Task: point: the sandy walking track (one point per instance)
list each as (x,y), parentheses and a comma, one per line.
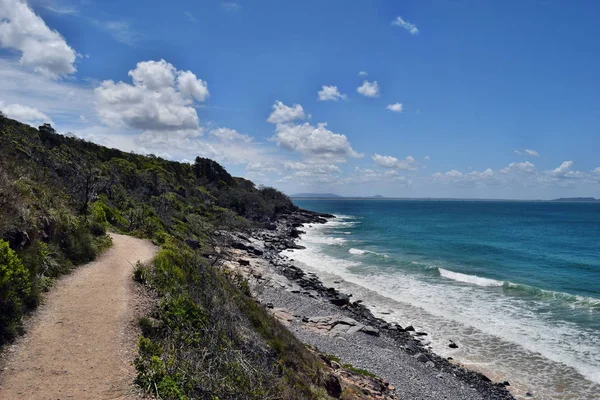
(80,344)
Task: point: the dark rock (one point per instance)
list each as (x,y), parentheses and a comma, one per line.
(239,246)
(192,244)
(409,328)
(412,345)
(269,305)
(17,238)
(420,333)
(506,383)
(340,300)
(258,252)
(271,227)
(333,386)
(369,330)
(421,357)
(453,345)
(244,262)
(528,394)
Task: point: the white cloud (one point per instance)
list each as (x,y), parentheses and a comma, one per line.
(362,73)
(62,100)
(189,16)
(596,171)
(532,153)
(408,163)
(189,84)
(427,158)
(26,114)
(161,98)
(368,175)
(282,113)
(41,48)
(231,7)
(369,89)
(412,28)
(231,135)
(564,171)
(473,178)
(121,31)
(396,107)
(330,93)
(314,142)
(523,167)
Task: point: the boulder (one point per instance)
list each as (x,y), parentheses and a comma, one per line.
(193,244)
(421,357)
(369,330)
(453,345)
(340,300)
(243,262)
(333,386)
(409,328)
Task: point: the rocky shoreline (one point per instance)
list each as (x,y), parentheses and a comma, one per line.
(330,320)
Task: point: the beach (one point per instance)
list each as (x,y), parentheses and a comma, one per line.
(334,323)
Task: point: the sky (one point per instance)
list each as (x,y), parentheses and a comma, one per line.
(465,99)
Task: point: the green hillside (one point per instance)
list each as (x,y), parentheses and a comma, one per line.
(208,338)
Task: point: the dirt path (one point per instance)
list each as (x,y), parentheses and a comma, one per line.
(81,343)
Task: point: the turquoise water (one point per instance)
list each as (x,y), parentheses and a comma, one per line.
(517,283)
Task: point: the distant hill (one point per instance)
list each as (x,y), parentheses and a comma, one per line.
(582,199)
(317,195)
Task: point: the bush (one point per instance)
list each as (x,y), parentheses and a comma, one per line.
(15,289)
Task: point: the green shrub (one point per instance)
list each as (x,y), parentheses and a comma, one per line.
(15,289)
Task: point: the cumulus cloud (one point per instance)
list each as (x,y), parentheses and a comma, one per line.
(412,28)
(427,158)
(596,171)
(330,93)
(396,107)
(565,171)
(314,142)
(282,113)
(529,152)
(408,163)
(231,135)
(26,114)
(160,98)
(362,73)
(369,89)
(523,167)
(41,48)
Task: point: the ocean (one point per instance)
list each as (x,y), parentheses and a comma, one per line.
(515,284)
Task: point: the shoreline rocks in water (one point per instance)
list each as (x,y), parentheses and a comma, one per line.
(352,317)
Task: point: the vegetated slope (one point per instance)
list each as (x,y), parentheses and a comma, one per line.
(208,338)
(80,345)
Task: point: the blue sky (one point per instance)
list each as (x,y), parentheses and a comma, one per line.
(421,98)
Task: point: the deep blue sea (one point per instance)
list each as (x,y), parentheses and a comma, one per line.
(515,284)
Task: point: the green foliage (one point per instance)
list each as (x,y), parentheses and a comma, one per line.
(15,289)
(208,339)
(359,371)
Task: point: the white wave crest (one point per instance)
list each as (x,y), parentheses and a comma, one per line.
(475,280)
(357,252)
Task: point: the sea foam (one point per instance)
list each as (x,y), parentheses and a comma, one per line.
(472,279)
